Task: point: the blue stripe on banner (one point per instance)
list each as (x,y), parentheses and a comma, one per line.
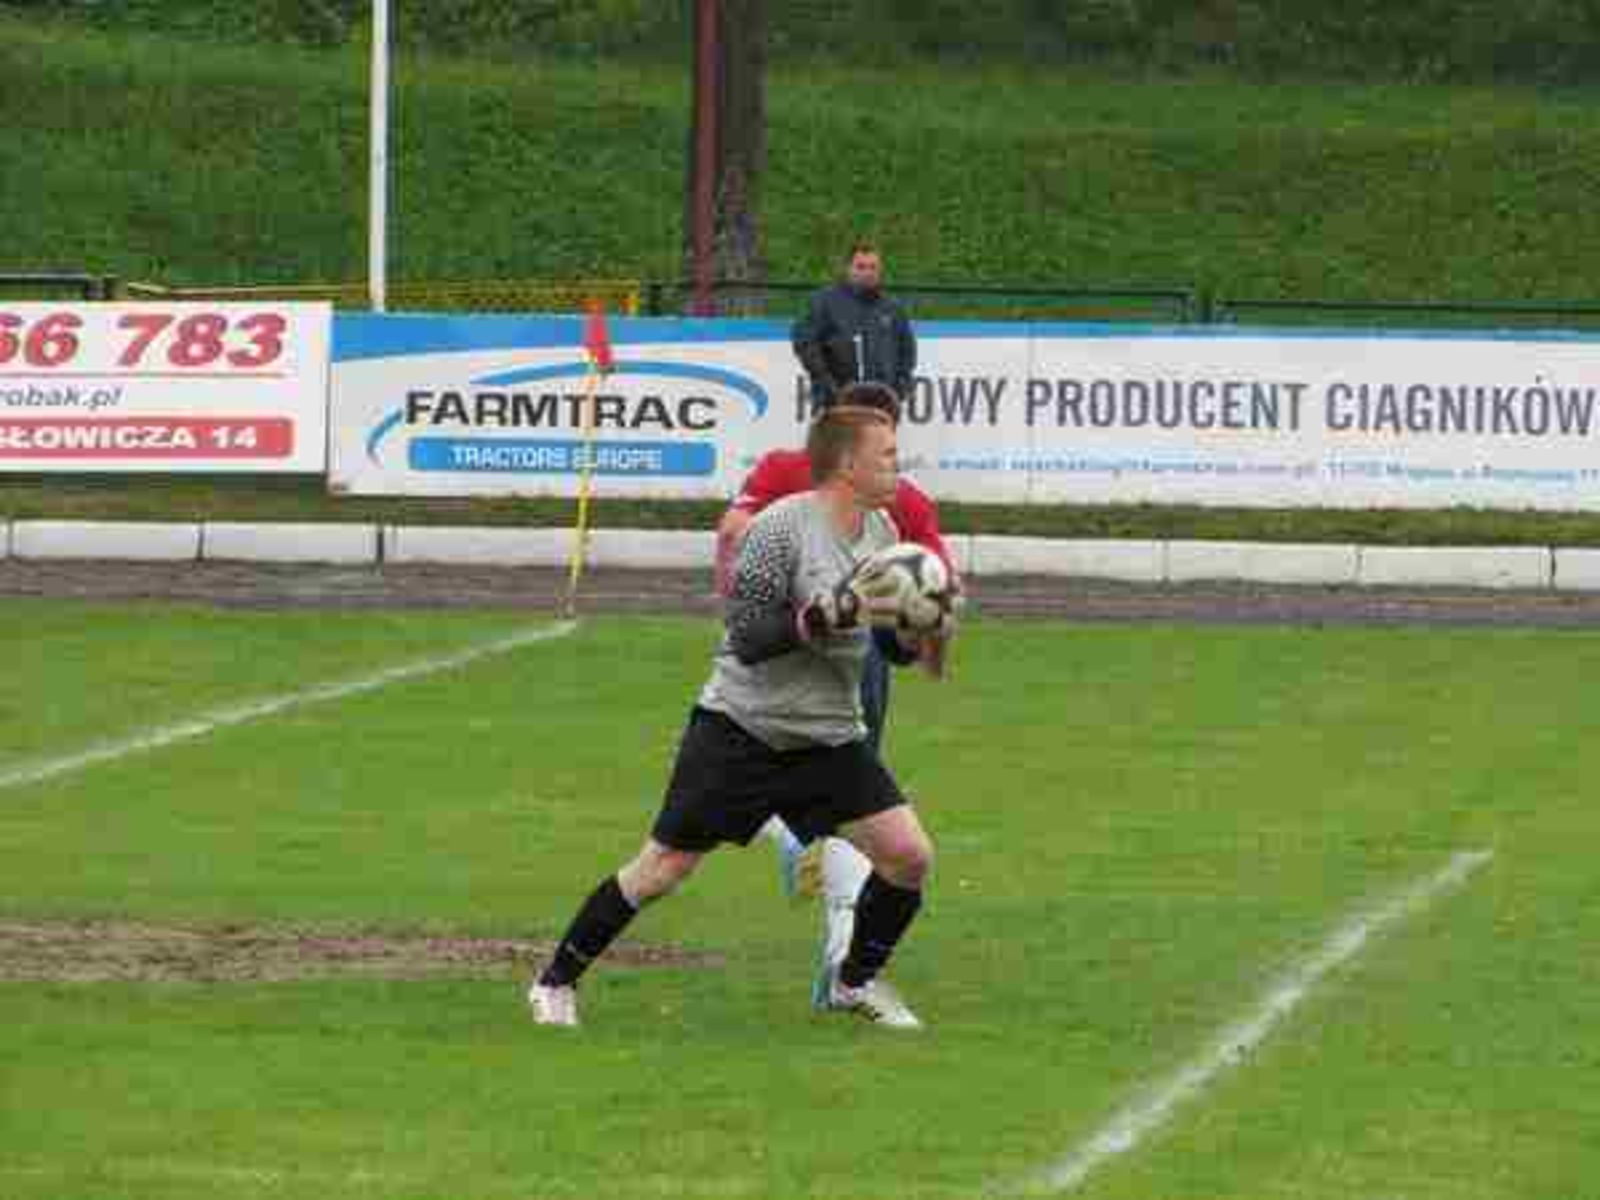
(383,335)
(1065,330)
(747,387)
(556,456)
(387,335)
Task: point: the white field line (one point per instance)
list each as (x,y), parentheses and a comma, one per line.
(1127,1128)
(239,714)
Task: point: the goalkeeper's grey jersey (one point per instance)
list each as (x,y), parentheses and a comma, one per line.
(786,692)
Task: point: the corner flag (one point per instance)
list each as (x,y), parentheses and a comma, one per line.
(597,348)
(597,340)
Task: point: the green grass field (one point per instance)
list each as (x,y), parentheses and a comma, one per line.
(1139,828)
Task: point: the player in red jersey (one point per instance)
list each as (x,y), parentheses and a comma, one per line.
(835,868)
(782,473)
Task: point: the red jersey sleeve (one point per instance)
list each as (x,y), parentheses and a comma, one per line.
(778,474)
(917,518)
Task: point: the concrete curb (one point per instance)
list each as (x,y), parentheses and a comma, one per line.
(1133,561)
(235,541)
(1261,562)
(128,540)
(1517,567)
(467,545)
(1528,568)
(1576,570)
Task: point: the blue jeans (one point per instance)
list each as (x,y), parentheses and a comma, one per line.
(875,697)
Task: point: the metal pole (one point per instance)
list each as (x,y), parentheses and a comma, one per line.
(378,183)
(705,150)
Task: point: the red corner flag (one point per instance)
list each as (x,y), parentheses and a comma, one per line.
(597,341)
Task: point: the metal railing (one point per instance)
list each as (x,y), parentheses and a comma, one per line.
(784,299)
(1406,314)
(52,285)
(935,301)
(417,295)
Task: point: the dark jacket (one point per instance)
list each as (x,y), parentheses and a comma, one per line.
(847,336)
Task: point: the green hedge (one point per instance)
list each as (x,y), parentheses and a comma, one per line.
(159,158)
(456,26)
(1533,41)
(302,498)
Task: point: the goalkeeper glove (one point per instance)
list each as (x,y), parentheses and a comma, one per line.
(828,612)
(880,593)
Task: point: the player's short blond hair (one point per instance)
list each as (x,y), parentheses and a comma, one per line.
(868,394)
(836,434)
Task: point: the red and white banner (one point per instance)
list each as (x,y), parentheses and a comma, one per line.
(164,387)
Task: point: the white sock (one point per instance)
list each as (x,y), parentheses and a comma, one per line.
(844,870)
(838,928)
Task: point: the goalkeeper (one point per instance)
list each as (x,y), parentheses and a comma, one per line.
(833,866)
(778,727)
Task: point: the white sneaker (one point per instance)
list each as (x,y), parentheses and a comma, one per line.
(876,1000)
(553,1005)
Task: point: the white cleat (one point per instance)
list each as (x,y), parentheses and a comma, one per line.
(554,1005)
(876,1000)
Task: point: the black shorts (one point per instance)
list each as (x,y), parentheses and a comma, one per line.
(726,783)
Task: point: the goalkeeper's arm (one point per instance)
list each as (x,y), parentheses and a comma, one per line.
(731,529)
(764,619)
(760,612)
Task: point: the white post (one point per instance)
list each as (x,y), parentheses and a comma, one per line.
(378,184)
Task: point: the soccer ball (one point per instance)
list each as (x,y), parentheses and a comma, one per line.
(914,579)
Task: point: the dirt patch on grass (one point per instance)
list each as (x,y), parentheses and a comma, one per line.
(93,951)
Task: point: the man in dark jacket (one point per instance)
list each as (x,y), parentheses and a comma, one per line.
(852,332)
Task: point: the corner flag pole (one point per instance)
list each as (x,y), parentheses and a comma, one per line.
(597,346)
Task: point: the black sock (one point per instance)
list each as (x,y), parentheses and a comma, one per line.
(883,914)
(604,915)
